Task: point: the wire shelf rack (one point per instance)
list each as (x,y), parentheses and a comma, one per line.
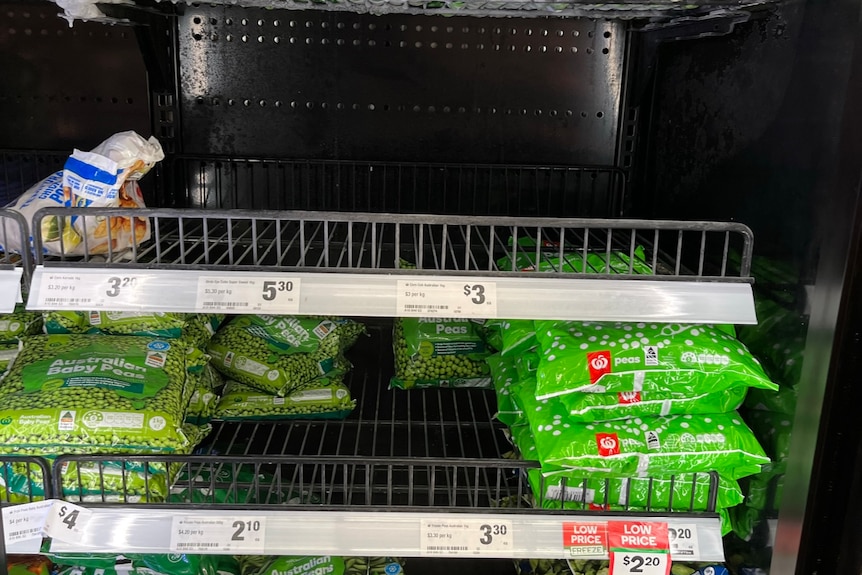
(20,169)
(387,243)
(401,187)
(14,231)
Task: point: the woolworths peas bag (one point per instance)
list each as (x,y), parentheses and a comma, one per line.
(590,407)
(97,394)
(197,329)
(518,336)
(282,354)
(554,487)
(646,357)
(652,446)
(503,375)
(329,398)
(439,352)
(8,352)
(320,565)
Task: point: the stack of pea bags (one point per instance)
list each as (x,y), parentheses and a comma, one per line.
(778,341)
(625,416)
(284,367)
(105,383)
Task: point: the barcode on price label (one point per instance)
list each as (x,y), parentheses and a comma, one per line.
(25,522)
(463,298)
(241,534)
(466,537)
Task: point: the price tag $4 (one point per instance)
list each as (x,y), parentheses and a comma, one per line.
(67,522)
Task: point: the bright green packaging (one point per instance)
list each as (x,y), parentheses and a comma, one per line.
(591,407)
(204,400)
(20,323)
(8,352)
(439,352)
(319,565)
(492,333)
(283,354)
(527,364)
(329,398)
(652,446)
(570,259)
(555,487)
(519,336)
(97,394)
(623,357)
(197,329)
(134,564)
(503,376)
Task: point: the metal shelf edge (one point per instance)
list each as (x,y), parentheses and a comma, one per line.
(377,295)
(145,530)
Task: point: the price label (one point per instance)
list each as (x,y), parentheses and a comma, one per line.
(423,298)
(25,522)
(67,521)
(273,294)
(69,290)
(638,547)
(241,535)
(585,539)
(10,289)
(467,537)
(683,541)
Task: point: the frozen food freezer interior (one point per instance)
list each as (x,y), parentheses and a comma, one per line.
(384,286)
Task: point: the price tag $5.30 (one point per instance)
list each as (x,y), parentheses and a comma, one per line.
(67,522)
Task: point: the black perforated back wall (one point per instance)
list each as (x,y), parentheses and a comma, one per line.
(269,83)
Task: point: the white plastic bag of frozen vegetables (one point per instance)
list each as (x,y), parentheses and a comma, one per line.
(105,177)
(439,352)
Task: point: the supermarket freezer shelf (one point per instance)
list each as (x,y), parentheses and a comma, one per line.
(353,533)
(390,295)
(397,265)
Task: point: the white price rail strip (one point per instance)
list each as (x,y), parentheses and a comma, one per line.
(380,295)
(137,530)
(10,288)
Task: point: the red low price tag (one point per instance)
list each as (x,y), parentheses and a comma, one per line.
(585,539)
(638,548)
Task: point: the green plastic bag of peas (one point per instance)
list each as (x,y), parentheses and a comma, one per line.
(554,487)
(329,398)
(319,565)
(97,394)
(590,407)
(653,446)
(197,329)
(134,564)
(625,357)
(20,323)
(283,354)
(204,400)
(503,376)
(546,257)
(439,352)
